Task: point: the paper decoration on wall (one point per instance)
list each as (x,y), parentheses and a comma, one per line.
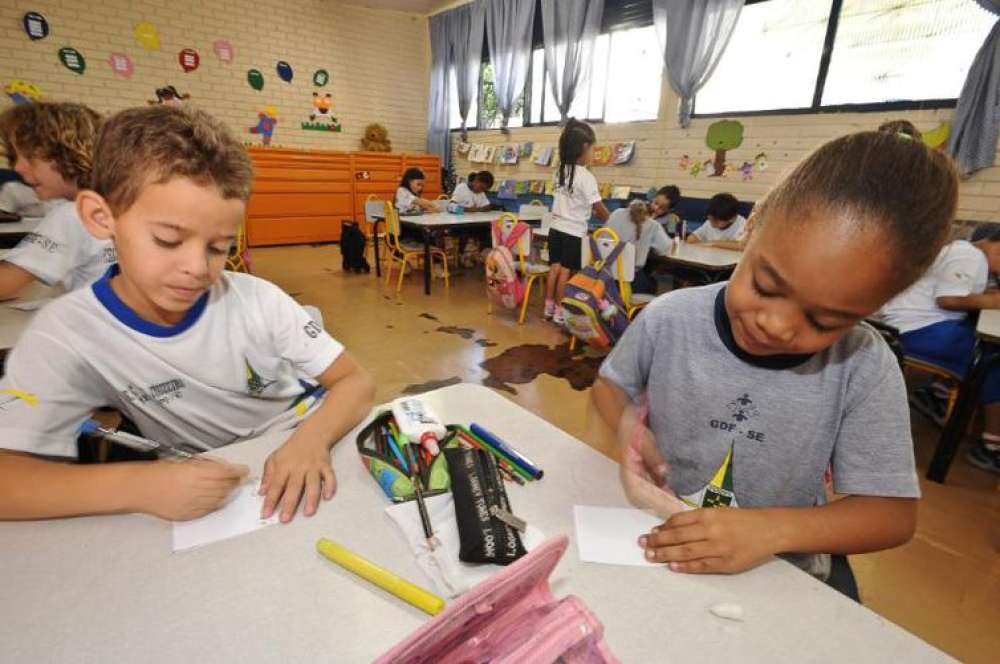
(285,72)
(525,150)
(621,153)
(490,154)
(22,92)
(695,169)
(266,120)
(72,59)
(937,137)
(544,157)
(121,64)
(550,187)
(147,36)
(601,155)
(760,161)
(747,170)
(708,167)
(621,192)
(684,163)
(509,154)
(606,188)
(168,95)
(188,59)
(224,50)
(722,136)
(320,117)
(255,79)
(521,187)
(508,190)
(321,77)
(537,187)
(463,148)
(35,26)
(363,175)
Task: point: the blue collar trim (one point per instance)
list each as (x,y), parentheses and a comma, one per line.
(107,297)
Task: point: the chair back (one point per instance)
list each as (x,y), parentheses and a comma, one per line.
(392,227)
(623,269)
(532,212)
(522,248)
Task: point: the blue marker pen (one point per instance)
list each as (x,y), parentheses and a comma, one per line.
(515,456)
(93,428)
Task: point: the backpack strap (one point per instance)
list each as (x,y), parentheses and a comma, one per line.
(595,253)
(520,228)
(497,232)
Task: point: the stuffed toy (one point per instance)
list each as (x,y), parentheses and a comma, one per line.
(376,139)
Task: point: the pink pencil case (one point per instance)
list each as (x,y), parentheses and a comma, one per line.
(510,618)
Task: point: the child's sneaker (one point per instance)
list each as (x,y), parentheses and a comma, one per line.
(550,309)
(559,317)
(984,456)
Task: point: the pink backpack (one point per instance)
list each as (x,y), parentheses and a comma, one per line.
(503,285)
(510,618)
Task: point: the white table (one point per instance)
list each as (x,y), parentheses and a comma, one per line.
(437,221)
(13,322)
(108,589)
(710,263)
(12,233)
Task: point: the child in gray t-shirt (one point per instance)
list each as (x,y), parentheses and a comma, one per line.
(756,387)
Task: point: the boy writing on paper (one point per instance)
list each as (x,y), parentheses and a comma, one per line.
(196,357)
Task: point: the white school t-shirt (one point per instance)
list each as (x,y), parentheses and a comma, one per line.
(960,269)
(572,207)
(21,199)
(239,364)
(62,251)
(464,196)
(734,232)
(652,236)
(405,199)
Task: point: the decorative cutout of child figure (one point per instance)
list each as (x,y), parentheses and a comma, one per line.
(266,120)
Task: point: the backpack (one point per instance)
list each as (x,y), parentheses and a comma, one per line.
(503,285)
(592,302)
(352,248)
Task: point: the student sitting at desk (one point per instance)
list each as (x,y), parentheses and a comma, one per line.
(472,196)
(662,208)
(633,224)
(781,378)
(50,146)
(724,227)
(408,200)
(196,357)
(932,316)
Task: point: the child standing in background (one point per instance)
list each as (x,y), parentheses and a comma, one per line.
(408,200)
(782,378)
(662,209)
(472,195)
(633,224)
(50,145)
(576,198)
(724,226)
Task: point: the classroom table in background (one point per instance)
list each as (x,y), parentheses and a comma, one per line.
(108,588)
(709,264)
(441,221)
(985,354)
(13,322)
(13,232)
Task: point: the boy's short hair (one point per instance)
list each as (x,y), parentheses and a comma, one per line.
(153,144)
(989,232)
(485,177)
(671,192)
(60,132)
(723,207)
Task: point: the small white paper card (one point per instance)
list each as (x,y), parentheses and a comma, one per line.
(239,516)
(610,535)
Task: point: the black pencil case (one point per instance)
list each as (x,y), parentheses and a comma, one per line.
(480,497)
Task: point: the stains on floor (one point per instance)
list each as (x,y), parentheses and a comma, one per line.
(464,332)
(485,343)
(429,317)
(519,365)
(418,388)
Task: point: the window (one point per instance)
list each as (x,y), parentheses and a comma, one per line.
(908,54)
(454,120)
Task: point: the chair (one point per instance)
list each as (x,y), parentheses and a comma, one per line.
(374,210)
(398,251)
(528,270)
(239,256)
(533,211)
(623,270)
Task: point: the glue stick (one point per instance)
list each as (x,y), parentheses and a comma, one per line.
(419,423)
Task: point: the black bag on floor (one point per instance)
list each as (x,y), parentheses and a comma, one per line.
(352,248)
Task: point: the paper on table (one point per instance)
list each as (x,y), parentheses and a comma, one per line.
(30,305)
(610,535)
(239,516)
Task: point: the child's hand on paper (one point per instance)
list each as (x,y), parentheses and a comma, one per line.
(184,490)
(299,467)
(716,540)
(643,470)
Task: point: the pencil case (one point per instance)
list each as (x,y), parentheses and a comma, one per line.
(482,509)
(387,469)
(510,618)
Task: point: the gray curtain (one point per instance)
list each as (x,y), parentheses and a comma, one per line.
(466,29)
(694,35)
(570,28)
(438,100)
(508,32)
(975,124)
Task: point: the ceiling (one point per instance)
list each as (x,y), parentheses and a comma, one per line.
(414,6)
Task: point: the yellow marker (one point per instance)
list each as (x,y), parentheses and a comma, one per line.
(422,599)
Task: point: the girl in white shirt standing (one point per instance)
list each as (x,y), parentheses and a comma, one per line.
(408,198)
(577,197)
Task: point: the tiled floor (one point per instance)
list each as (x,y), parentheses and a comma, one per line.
(944,585)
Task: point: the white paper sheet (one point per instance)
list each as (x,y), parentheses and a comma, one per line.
(239,516)
(610,535)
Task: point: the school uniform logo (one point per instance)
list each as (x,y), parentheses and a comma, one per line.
(9,397)
(256,384)
(44,242)
(162,393)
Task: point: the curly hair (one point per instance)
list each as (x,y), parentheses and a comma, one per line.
(60,132)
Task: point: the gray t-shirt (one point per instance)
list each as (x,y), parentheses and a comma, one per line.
(749,431)
(652,235)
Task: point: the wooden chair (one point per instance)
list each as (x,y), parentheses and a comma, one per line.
(527,269)
(239,256)
(402,253)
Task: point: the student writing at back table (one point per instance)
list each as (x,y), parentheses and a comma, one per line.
(576,197)
(724,226)
(194,356)
(472,196)
(408,200)
(51,145)
(782,377)
(633,224)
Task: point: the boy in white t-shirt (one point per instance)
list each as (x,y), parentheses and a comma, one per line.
(472,195)
(724,227)
(932,316)
(194,356)
(50,146)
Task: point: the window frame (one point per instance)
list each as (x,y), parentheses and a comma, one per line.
(817,107)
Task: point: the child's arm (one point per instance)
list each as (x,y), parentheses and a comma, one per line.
(974,302)
(13,279)
(36,488)
(725,540)
(302,464)
(426,205)
(600,211)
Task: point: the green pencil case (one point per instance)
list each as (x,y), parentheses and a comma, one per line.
(387,469)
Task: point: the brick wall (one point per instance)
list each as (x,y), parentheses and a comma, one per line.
(377,60)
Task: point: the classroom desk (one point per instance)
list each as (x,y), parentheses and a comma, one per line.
(438,221)
(12,233)
(711,264)
(13,322)
(108,588)
(985,354)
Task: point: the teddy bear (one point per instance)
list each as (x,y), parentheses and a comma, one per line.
(376,139)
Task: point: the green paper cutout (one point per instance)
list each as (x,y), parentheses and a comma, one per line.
(321,78)
(322,126)
(72,59)
(255,79)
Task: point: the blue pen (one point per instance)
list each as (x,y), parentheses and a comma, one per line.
(93,428)
(395,450)
(515,456)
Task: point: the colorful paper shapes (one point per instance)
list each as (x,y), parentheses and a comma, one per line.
(35,26)
(266,120)
(255,79)
(188,59)
(285,72)
(22,92)
(72,59)
(321,78)
(224,50)
(147,36)
(121,64)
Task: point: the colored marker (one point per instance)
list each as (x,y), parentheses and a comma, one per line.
(502,460)
(515,456)
(94,428)
(411,593)
(397,453)
(425,519)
